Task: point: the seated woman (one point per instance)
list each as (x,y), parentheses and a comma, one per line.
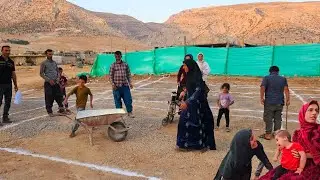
(236,165)
(195,128)
(309,137)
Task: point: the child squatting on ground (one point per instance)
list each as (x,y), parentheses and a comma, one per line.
(288,161)
(81,92)
(225,100)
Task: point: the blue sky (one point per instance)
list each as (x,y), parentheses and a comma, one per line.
(155,11)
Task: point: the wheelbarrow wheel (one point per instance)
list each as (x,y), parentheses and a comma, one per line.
(117,136)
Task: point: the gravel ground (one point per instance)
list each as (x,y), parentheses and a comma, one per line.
(149,147)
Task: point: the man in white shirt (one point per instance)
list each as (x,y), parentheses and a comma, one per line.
(204,67)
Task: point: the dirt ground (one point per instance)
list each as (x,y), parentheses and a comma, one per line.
(149,148)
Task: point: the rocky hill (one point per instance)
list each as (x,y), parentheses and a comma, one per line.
(58,22)
(34,16)
(151,34)
(258,23)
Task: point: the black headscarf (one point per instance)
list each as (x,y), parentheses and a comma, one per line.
(238,159)
(194,76)
(241,148)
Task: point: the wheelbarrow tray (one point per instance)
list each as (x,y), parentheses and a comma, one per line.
(104,117)
(100,117)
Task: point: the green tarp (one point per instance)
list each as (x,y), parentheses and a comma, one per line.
(299,60)
(168,60)
(140,62)
(249,61)
(294,60)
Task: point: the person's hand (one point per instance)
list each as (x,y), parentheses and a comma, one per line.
(262,101)
(131,86)
(288,102)
(114,87)
(91,105)
(299,171)
(65,102)
(295,154)
(16,88)
(183,106)
(52,82)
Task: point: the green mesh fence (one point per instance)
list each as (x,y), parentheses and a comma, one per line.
(295,60)
(299,60)
(102,65)
(141,62)
(249,61)
(216,57)
(168,60)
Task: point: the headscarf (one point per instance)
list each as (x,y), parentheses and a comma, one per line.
(310,133)
(240,149)
(194,76)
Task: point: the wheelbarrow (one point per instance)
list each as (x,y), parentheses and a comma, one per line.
(112,118)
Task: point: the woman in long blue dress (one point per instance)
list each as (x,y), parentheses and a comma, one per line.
(195,129)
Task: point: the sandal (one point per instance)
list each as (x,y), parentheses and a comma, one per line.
(266,136)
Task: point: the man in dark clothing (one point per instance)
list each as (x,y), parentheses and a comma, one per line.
(7,74)
(271,94)
(50,73)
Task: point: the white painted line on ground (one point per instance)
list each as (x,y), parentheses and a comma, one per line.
(250,97)
(302,88)
(237,86)
(249,110)
(143,80)
(19,112)
(21,122)
(140,101)
(35,118)
(255,117)
(160,109)
(219,85)
(145,88)
(95,167)
(214,93)
(215,108)
(153,82)
(42,100)
(298,96)
(32,119)
(231,115)
(308,94)
(306,89)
